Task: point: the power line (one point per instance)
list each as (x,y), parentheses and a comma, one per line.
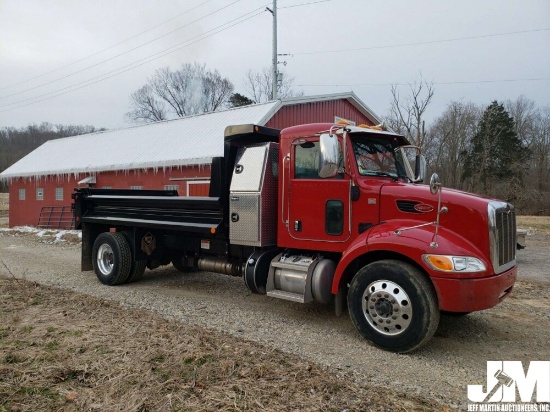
(417,43)
(108,48)
(436,83)
(118,55)
(303,4)
(141,62)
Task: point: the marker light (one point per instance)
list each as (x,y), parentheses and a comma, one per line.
(445,263)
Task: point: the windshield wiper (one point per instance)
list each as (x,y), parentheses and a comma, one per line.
(380,173)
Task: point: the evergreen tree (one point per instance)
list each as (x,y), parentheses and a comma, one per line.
(238,100)
(496,153)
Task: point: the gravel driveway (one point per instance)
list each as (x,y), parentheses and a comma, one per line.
(455,357)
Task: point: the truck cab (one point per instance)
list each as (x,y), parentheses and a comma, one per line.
(330,213)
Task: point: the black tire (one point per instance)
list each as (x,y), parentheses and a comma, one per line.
(111,258)
(137,270)
(178,264)
(397,298)
(138,266)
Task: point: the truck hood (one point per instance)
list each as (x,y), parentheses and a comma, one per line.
(467,213)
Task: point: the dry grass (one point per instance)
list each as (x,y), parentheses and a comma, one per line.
(539,225)
(61,350)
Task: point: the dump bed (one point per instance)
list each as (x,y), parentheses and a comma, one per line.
(153,209)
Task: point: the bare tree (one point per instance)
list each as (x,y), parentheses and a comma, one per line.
(448,138)
(146,107)
(524,112)
(406,114)
(190,90)
(540,147)
(259,85)
(216,91)
(533,128)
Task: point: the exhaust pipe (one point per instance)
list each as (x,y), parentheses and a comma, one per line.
(219,265)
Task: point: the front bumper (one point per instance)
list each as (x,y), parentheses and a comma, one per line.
(469,295)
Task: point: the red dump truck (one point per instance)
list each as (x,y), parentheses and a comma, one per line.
(328,213)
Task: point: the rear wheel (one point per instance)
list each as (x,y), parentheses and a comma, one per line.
(393,305)
(138,266)
(112,258)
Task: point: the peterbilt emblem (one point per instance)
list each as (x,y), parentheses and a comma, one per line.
(423,208)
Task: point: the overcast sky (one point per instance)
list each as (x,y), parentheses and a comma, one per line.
(472,50)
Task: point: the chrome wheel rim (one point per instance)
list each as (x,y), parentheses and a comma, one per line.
(105,259)
(387,307)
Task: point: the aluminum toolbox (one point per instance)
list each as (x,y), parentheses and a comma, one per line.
(253,196)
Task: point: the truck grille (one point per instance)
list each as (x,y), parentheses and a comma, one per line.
(502,234)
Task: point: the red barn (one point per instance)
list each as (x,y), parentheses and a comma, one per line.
(174,154)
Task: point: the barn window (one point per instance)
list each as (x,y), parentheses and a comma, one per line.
(58,193)
(136,187)
(21,194)
(39,193)
(171,187)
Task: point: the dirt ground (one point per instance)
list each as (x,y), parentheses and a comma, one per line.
(78,345)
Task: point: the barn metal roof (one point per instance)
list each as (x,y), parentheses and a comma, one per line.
(191,140)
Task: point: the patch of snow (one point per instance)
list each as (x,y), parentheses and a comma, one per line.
(56,234)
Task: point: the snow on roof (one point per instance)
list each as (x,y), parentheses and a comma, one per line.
(186,141)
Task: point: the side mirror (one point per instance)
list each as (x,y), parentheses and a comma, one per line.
(435,184)
(328,155)
(420,168)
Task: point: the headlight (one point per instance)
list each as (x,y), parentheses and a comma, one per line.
(445,263)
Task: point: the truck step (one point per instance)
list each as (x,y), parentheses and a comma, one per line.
(284,265)
(281,294)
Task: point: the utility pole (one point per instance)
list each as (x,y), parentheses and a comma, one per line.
(275,73)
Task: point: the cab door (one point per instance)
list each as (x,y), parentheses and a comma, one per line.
(318,209)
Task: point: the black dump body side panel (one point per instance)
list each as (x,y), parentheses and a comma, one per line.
(154,209)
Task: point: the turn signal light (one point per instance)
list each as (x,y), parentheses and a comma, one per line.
(440,262)
(446,263)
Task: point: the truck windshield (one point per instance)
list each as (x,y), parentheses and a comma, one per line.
(376,157)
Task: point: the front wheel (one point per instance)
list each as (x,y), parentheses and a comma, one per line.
(393,305)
